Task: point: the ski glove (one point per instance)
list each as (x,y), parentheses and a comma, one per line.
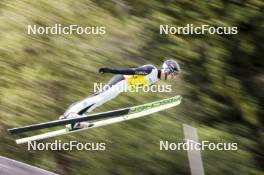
(104,70)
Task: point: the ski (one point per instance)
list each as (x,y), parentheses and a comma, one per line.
(91,117)
(55,123)
(134,112)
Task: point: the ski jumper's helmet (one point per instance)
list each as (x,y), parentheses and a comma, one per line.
(171,66)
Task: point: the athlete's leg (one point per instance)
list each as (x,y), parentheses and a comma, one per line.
(91,103)
(88,104)
(114,87)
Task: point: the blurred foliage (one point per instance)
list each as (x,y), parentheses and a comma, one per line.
(222,81)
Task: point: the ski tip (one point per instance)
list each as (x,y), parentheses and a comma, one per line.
(10,131)
(180,97)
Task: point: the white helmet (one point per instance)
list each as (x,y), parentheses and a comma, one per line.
(171,66)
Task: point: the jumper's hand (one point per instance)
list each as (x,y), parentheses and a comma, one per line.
(104,70)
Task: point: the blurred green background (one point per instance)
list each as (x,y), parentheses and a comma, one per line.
(222,82)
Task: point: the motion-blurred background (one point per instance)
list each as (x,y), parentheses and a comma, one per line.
(221,83)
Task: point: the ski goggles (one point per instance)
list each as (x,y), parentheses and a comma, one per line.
(168,71)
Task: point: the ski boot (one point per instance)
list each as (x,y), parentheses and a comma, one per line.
(76,125)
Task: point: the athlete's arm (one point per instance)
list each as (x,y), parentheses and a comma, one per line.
(144,70)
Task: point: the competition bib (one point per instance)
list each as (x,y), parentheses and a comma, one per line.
(136,80)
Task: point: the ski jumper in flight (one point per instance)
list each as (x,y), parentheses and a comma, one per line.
(142,76)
